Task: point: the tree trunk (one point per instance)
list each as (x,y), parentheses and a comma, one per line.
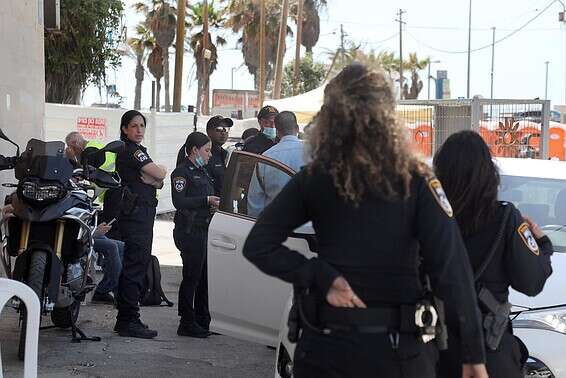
(139,80)
(166,78)
(198,110)
(158,95)
(62,90)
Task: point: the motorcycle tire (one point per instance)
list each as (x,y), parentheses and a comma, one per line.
(35,278)
(65,317)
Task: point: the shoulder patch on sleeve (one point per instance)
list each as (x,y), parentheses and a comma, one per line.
(528,238)
(140,156)
(179,183)
(440,197)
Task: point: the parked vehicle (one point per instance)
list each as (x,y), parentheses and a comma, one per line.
(250,305)
(48,242)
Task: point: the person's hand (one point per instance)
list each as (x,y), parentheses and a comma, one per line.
(534,227)
(102,229)
(8,211)
(214,201)
(163,168)
(474,371)
(341,294)
(147,179)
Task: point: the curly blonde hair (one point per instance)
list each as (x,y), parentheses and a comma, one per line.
(358,140)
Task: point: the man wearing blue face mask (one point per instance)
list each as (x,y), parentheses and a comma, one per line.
(266,138)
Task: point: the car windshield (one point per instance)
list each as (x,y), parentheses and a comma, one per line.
(539,199)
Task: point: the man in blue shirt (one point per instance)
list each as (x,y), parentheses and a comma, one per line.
(268,181)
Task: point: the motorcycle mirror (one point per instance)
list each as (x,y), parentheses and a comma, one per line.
(116,146)
(3,136)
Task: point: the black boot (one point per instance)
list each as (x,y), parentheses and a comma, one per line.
(135,328)
(122,323)
(105,298)
(192,330)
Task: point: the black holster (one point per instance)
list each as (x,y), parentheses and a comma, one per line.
(129,201)
(495,320)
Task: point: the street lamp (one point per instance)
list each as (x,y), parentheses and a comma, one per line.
(430,62)
(546,81)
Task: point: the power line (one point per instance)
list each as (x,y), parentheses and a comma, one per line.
(489,45)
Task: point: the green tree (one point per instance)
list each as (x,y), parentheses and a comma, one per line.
(79,53)
(140,45)
(196,39)
(311,76)
(311,22)
(413,65)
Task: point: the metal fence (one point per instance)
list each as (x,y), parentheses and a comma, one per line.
(511,128)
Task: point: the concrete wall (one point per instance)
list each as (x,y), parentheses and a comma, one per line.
(165,134)
(22,77)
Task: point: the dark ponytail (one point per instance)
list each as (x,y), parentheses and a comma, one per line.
(195,139)
(125,121)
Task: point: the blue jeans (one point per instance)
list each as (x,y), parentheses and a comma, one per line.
(113,252)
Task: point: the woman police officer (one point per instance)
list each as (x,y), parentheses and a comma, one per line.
(140,178)
(192,190)
(379,216)
(519,258)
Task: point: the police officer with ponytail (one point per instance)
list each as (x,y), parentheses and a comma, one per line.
(140,179)
(192,188)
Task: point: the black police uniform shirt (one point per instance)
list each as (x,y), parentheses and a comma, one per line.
(521,261)
(377,247)
(216,167)
(190,187)
(258,144)
(129,164)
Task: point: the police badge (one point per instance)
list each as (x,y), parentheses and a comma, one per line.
(528,238)
(179,183)
(440,197)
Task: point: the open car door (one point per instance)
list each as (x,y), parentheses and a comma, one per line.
(244,302)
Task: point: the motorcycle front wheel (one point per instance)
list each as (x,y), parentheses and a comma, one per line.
(65,317)
(35,278)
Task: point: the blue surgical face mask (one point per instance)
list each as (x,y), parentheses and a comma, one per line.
(270,132)
(199,161)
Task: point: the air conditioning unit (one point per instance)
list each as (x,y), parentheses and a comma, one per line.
(52,14)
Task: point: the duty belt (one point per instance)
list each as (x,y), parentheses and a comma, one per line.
(369,320)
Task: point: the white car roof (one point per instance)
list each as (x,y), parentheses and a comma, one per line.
(548,169)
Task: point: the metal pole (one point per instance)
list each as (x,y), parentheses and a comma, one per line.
(400,20)
(546,81)
(261,52)
(429,63)
(232,78)
(469,50)
(492,60)
(298,48)
(281,50)
(179,52)
(205,59)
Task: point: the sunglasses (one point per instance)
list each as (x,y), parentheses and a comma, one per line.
(221,130)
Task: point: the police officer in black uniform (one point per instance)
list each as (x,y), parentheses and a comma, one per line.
(379,217)
(515,250)
(217,130)
(192,190)
(266,138)
(140,178)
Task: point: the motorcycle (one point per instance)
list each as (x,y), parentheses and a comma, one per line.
(48,237)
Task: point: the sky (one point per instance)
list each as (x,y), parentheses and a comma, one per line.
(436,29)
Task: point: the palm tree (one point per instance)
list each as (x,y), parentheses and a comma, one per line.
(311,22)
(196,42)
(155,65)
(413,64)
(162,21)
(243,16)
(140,44)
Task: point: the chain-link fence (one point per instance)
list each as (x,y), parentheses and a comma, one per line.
(511,128)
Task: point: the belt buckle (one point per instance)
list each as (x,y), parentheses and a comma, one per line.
(426,318)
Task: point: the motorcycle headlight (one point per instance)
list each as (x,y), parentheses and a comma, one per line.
(41,192)
(552,319)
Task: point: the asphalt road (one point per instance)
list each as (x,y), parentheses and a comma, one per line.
(165,356)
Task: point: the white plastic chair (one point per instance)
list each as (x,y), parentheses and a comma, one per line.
(8,289)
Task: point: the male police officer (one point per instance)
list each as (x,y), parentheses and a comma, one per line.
(266,138)
(217,130)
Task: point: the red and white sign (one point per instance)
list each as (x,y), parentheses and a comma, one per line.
(92,128)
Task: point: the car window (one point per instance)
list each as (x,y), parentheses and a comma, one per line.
(543,200)
(251,183)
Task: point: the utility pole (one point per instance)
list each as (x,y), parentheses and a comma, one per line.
(430,62)
(469,49)
(298,48)
(342,47)
(261,52)
(281,50)
(205,59)
(400,21)
(546,81)
(492,59)
(179,52)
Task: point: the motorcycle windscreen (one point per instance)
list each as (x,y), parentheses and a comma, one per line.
(45,160)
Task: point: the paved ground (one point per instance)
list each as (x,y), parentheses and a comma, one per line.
(114,356)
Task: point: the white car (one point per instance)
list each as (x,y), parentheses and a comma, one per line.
(250,305)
